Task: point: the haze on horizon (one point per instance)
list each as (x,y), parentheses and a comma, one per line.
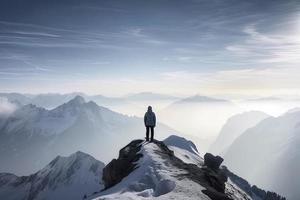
(173,47)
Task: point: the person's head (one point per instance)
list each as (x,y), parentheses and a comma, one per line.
(149,108)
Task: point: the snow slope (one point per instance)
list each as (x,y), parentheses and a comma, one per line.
(63,178)
(184,149)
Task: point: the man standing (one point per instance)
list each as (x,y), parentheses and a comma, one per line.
(150,122)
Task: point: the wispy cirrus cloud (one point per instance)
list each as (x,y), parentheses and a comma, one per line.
(33,35)
(274,47)
(36,34)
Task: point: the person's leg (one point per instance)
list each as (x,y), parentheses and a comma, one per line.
(147,133)
(152,133)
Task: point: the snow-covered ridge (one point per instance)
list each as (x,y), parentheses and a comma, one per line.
(153,171)
(63,178)
(154,177)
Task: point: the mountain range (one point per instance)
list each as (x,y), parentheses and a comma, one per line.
(33,135)
(272,148)
(234,127)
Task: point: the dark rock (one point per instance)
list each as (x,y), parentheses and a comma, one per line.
(216,196)
(216,179)
(212,161)
(119,168)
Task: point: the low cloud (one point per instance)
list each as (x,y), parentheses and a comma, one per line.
(6,107)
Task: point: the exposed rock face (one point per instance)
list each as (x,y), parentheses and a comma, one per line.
(216,179)
(212,161)
(119,168)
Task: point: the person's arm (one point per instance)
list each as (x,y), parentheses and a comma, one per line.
(154,117)
(145,118)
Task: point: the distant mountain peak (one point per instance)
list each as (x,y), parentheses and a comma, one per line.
(77,100)
(74,103)
(79,155)
(76,157)
(200,99)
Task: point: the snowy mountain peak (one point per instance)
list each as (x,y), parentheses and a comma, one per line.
(61,163)
(69,177)
(80,155)
(77,100)
(73,107)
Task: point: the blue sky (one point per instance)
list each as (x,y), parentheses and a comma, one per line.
(168,46)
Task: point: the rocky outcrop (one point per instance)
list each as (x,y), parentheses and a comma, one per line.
(119,168)
(215,177)
(213,162)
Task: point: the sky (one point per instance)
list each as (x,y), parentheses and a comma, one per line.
(109,47)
